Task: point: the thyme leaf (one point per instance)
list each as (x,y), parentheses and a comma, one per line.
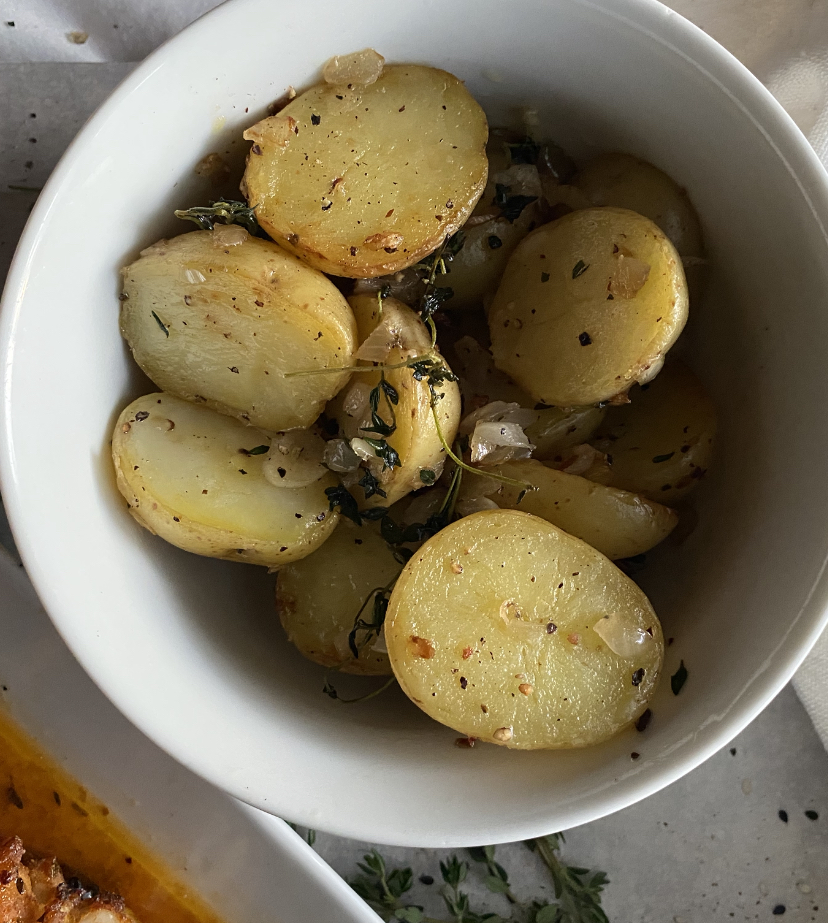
(161,324)
(432,301)
(678,679)
(371,486)
(389,456)
(525,151)
(341,497)
(511,206)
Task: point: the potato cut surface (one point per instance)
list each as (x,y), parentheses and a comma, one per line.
(361,181)
(415,438)
(491,631)
(617,523)
(662,442)
(223,324)
(624,181)
(588,306)
(318,598)
(194,477)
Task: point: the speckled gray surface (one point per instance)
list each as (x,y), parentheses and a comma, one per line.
(712,846)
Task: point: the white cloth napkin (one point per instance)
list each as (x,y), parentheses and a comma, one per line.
(784,42)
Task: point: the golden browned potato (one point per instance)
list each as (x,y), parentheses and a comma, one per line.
(222,323)
(617,523)
(195,477)
(396,336)
(319,598)
(661,443)
(509,630)
(624,181)
(363,180)
(588,306)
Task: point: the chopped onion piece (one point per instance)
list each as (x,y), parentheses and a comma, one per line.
(294,459)
(474,505)
(580,459)
(626,641)
(382,339)
(361,68)
(521,178)
(494,443)
(339,456)
(363,450)
(356,399)
(498,412)
(628,276)
(229,235)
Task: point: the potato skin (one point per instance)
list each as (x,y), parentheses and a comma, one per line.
(363,181)
(555,328)
(490,631)
(222,326)
(617,523)
(318,598)
(179,467)
(662,442)
(416,439)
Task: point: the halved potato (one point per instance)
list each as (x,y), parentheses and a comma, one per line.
(588,306)
(661,443)
(415,439)
(624,181)
(194,477)
(361,181)
(617,523)
(319,597)
(222,323)
(491,629)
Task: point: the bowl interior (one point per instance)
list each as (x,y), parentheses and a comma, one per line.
(190,648)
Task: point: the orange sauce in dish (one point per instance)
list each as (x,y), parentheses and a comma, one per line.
(55,816)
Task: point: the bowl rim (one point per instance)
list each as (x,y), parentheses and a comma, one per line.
(679,36)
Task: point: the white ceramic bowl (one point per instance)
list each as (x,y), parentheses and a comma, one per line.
(189,648)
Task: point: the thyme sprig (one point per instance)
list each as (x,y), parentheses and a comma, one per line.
(223,212)
(577,891)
